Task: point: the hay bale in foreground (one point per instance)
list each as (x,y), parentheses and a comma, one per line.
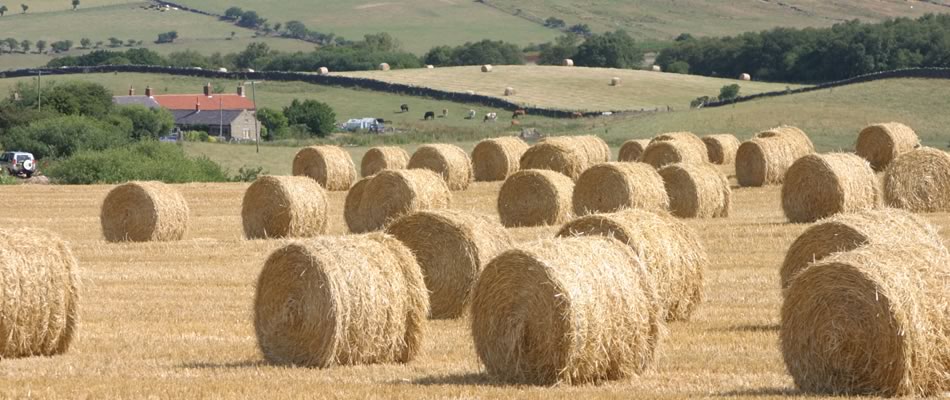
(390,194)
(764,160)
(631,150)
(535,197)
(571,311)
(870,321)
(721,149)
(384,157)
(448,160)
(613,186)
(671,251)
(497,159)
(796,136)
(452,248)
(821,185)
(39,294)
(882,143)
(340,301)
(845,232)
(696,190)
(330,166)
(663,153)
(569,155)
(284,206)
(919,181)
(144,211)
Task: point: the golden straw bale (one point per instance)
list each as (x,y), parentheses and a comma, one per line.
(764,159)
(882,143)
(697,190)
(351,206)
(144,211)
(662,153)
(671,251)
(487,68)
(569,310)
(612,186)
(384,157)
(497,159)
(689,138)
(721,148)
(341,301)
(792,134)
(821,185)
(569,155)
(39,294)
(448,160)
(919,181)
(383,67)
(390,194)
(535,197)
(284,206)
(632,149)
(452,248)
(330,166)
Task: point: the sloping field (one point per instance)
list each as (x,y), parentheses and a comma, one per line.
(581,89)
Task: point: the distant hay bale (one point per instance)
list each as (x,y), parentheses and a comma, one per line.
(284,206)
(615,81)
(882,143)
(613,186)
(143,212)
(656,68)
(567,62)
(346,300)
(569,310)
(330,166)
(390,194)
(324,70)
(498,158)
(383,157)
(764,159)
(631,150)
(384,67)
(662,153)
(846,232)
(39,294)
(452,248)
(430,66)
(696,190)
(448,160)
(721,149)
(745,77)
(470,92)
(510,91)
(870,321)
(821,185)
(919,181)
(569,155)
(487,68)
(535,197)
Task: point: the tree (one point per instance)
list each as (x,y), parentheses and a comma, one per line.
(563,47)
(439,55)
(580,29)
(273,120)
(25,45)
(61,46)
(554,23)
(188,58)
(115,42)
(167,37)
(610,50)
(250,19)
(147,122)
(277,27)
(254,56)
(729,92)
(40,46)
(684,37)
(3,10)
(297,29)
(24,7)
(130,42)
(380,42)
(12,44)
(678,67)
(78,98)
(233,13)
(64,136)
(85,43)
(75,4)
(318,117)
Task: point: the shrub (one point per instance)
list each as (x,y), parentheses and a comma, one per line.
(64,136)
(729,92)
(318,117)
(147,122)
(147,161)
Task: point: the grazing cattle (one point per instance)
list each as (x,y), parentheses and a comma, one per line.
(445,112)
(490,117)
(515,122)
(471,114)
(519,112)
(429,115)
(576,115)
(404,108)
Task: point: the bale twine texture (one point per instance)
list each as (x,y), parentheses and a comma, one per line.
(792,134)
(330,166)
(846,232)
(144,211)
(284,206)
(340,301)
(632,149)
(671,251)
(870,321)
(570,310)
(390,194)
(448,160)
(613,186)
(535,197)
(820,185)
(497,159)
(882,143)
(39,294)
(721,149)
(697,190)
(919,181)
(569,155)
(764,159)
(384,157)
(452,248)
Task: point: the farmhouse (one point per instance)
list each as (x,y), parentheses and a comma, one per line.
(226,116)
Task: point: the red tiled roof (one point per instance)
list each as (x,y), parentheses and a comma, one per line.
(205,103)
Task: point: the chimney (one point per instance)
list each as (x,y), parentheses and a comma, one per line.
(240,90)
(208,89)
(148,91)
(131,91)
(198,104)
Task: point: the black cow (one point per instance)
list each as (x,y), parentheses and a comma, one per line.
(429,115)
(404,108)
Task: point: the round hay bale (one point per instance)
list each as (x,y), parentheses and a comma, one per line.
(384,67)
(656,68)
(615,81)
(821,185)
(39,294)
(662,153)
(567,62)
(792,134)
(846,232)
(870,321)
(569,310)
(452,248)
(764,160)
(497,159)
(487,68)
(631,150)
(284,206)
(143,212)
(535,197)
(390,194)
(340,301)
(721,149)
(696,190)
(569,155)
(470,92)
(430,66)
(745,77)
(509,91)
(330,166)
(613,186)
(919,181)
(385,157)
(671,251)
(448,160)
(688,138)
(324,70)
(882,143)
